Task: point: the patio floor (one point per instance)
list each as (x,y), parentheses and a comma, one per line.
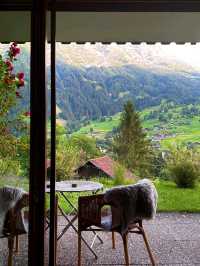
(174,238)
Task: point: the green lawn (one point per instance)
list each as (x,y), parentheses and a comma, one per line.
(171,198)
(175,199)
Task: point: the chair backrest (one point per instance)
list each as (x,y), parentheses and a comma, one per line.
(12,202)
(128,204)
(89,210)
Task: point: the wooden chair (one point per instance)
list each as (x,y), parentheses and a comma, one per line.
(90,214)
(11,230)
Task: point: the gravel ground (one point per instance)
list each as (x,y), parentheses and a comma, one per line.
(174,239)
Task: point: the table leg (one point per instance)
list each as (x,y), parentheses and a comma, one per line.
(76,211)
(67,226)
(76,230)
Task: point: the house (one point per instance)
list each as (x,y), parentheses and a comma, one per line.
(101,166)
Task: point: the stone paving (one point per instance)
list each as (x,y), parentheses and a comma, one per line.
(174,239)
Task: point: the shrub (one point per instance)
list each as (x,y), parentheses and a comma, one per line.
(184,174)
(119,179)
(183,166)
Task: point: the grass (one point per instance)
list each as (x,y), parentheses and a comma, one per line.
(171,198)
(14,181)
(101,127)
(185,129)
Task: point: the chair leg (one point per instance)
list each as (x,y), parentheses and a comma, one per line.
(126,249)
(10,250)
(148,248)
(113,240)
(79,248)
(16,244)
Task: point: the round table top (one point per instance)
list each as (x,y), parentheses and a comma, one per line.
(76,186)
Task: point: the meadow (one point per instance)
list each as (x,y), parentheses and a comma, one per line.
(175,128)
(171,198)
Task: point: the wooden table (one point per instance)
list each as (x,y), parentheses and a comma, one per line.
(63,190)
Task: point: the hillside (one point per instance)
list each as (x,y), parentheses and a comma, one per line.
(165,125)
(90,93)
(94,81)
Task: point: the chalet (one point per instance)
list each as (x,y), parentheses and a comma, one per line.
(102,166)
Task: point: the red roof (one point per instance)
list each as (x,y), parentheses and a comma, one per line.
(107,165)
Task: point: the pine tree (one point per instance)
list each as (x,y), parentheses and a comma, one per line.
(130,144)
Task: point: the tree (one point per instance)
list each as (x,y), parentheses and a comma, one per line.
(67,159)
(91,130)
(130,144)
(87,145)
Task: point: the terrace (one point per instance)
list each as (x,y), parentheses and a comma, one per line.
(82,21)
(174,239)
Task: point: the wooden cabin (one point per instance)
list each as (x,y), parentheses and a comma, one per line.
(101,167)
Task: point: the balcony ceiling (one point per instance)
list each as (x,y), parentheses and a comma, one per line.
(106,27)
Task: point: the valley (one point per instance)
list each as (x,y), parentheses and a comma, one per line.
(166,125)
(94,81)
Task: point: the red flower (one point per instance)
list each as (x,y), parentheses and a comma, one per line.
(18,95)
(27,113)
(14,50)
(9,65)
(20,75)
(20,83)
(14,44)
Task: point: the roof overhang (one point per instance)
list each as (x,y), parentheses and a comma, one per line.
(108,5)
(88,25)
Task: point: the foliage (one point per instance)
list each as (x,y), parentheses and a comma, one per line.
(9,167)
(10,86)
(87,145)
(23,154)
(71,152)
(67,159)
(119,172)
(158,165)
(119,176)
(130,144)
(183,165)
(184,174)
(10,83)
(14,181)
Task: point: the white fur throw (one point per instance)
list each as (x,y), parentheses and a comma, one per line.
(132,203)
(9,196)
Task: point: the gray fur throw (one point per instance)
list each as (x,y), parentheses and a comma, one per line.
(132,203)
(9,197)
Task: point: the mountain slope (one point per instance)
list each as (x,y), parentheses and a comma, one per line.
(89,93)
(95,80)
